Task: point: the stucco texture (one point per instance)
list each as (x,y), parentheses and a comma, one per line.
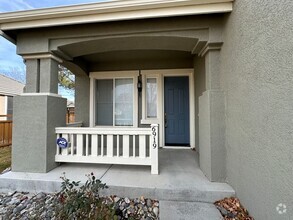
(257,76)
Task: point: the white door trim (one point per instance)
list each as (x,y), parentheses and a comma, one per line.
(161,109)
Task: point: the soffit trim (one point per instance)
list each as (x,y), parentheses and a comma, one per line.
(110,11)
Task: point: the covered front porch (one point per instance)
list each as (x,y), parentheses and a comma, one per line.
(130,74)
(180,179)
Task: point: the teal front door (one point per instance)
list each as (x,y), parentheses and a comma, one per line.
(176,96)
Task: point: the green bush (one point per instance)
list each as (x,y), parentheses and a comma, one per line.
(82,202)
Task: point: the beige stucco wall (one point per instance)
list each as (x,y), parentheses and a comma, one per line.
(200,87)
(257,76)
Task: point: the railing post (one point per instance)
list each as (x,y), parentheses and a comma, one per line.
(154,149)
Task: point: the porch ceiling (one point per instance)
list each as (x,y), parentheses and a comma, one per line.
(129,43)
(137,55)
(137,59)
(132,52)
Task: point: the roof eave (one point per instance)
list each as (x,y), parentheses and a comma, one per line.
(110,11)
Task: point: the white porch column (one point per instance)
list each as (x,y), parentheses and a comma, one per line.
(36,114)
(212,153)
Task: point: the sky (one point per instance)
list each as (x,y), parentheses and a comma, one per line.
(11,64)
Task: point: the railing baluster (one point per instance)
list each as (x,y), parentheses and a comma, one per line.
(79,143)
(102,145)
(57,147)
(64,151)
(133,146)
(118,145)
(142,145)
(125,145)
(86,144)
(71,146)
(94,145)
(110,145)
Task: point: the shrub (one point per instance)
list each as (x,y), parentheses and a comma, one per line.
(82,202)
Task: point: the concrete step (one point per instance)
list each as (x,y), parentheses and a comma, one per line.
(124,181)
(171,194)
(188,210)
(180,179)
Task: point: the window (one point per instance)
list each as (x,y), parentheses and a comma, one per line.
(114,102)
(151,97)
(104,102)
(124,102)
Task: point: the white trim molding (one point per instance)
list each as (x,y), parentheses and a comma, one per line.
(160,120)
(42,56)
(41,94)
(113,75)
(110,11)
(145,119)
(210,46)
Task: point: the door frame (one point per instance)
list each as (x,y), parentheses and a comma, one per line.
(161,74)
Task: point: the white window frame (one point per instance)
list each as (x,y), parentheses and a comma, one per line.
(113,75)
(145,119)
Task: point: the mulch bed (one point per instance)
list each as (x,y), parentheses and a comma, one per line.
(231,209)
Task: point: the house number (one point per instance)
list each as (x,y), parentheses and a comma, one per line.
(154,135)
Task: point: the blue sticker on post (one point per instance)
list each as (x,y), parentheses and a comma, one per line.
(62,143)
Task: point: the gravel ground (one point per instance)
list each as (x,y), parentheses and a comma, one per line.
(22,205)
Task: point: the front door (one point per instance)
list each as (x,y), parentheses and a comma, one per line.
(176,90)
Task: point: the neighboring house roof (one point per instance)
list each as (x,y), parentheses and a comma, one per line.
(110,11)
(10,87)
(70,104)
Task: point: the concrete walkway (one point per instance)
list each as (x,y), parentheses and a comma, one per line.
(180,180)
(171,210)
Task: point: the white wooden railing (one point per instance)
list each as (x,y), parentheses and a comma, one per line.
(129,146)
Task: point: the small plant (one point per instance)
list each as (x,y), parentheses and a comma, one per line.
(82,202)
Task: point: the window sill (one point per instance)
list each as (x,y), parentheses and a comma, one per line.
(149,121)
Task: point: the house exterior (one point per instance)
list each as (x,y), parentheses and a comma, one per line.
(8,89)
(211,75)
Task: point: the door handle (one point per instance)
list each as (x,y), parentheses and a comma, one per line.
(166,121)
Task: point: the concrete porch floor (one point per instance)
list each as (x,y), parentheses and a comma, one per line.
(180,179)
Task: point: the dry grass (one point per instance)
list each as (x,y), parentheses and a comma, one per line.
(5,158)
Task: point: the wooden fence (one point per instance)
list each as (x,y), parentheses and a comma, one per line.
(6,127)
(5,130)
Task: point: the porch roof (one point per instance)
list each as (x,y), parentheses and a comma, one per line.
(109,11)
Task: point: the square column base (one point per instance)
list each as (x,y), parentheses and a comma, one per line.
(34,141)
(212,152)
